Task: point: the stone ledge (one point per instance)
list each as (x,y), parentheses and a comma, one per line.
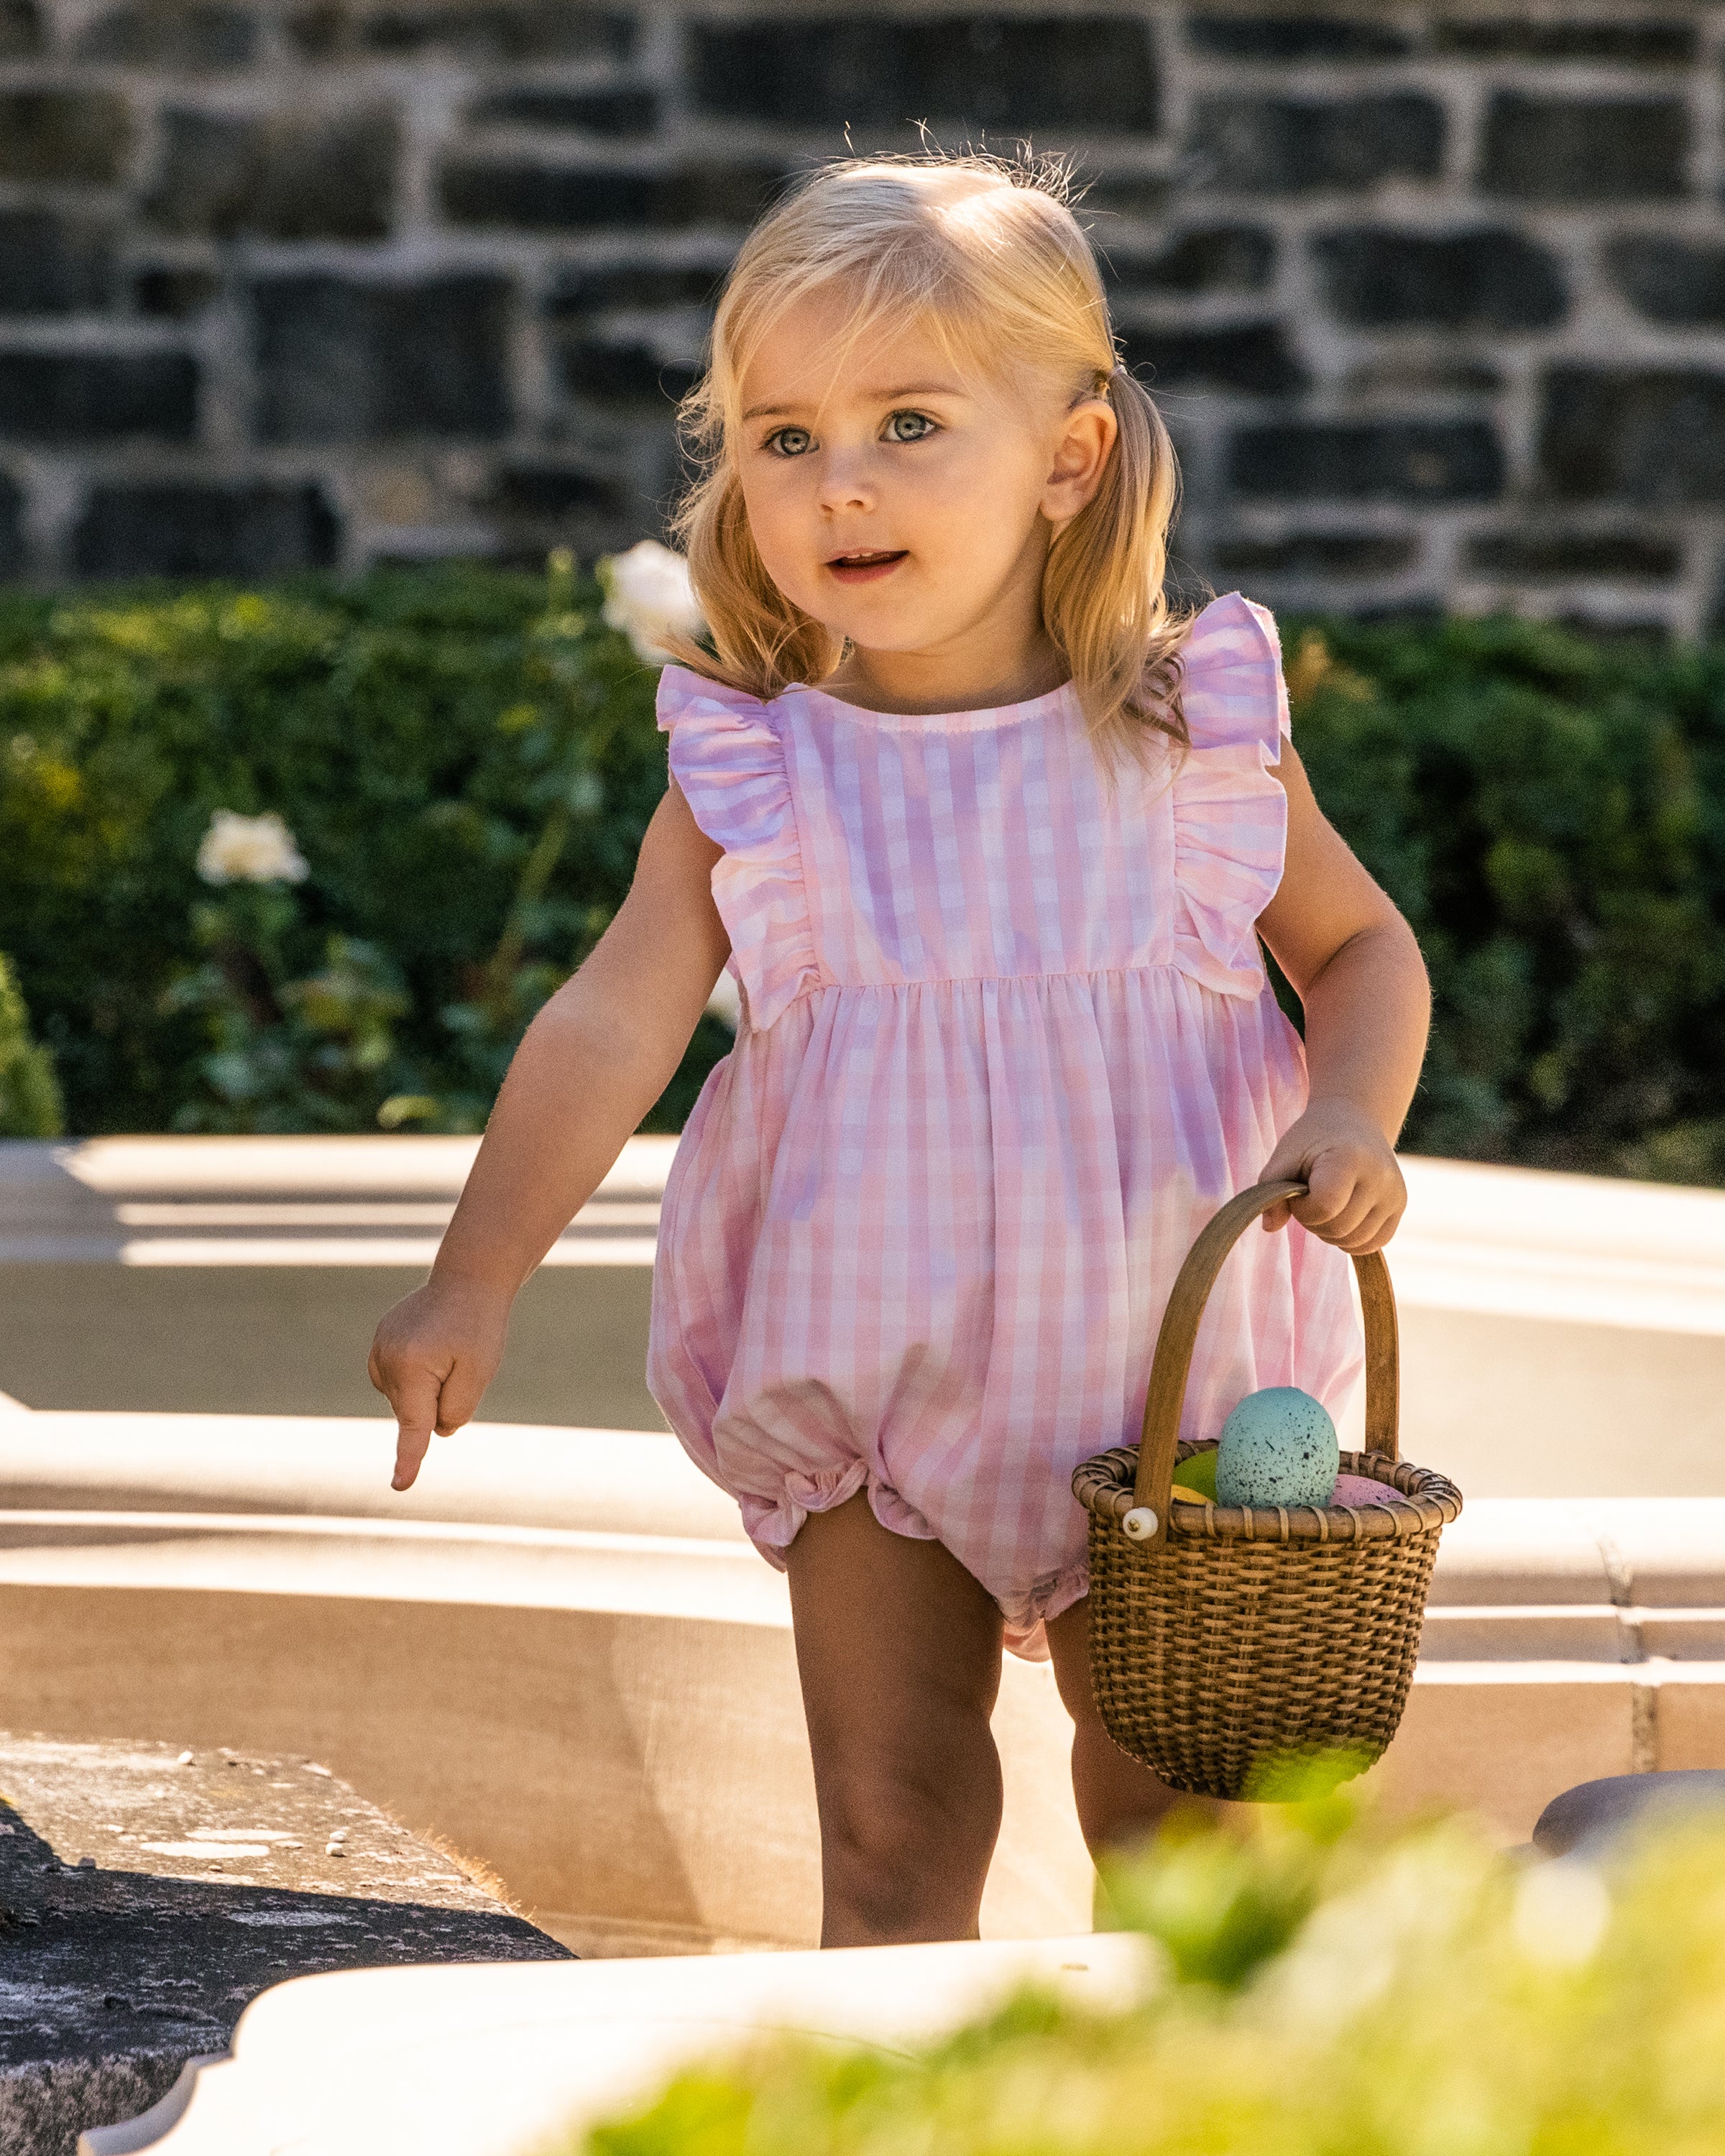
(147,1894)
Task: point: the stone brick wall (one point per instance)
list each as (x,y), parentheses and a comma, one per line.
(1434,294)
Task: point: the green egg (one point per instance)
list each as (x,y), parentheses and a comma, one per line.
(1278,1447)
(1197,1473)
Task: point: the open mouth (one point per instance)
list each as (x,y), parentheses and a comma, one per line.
(865,564)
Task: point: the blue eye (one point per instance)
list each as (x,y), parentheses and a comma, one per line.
(910,427)
(790,442)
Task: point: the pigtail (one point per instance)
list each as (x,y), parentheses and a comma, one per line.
(1104,600)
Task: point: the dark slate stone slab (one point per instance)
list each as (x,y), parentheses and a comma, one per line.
(1319,554)
(1585,149)
(98,395)
(1523,38)
(147,1895)
(185,35)
(1085,71)
(1645,434)
(282,176)
(54,263)
(1368,461)
(20,29)
(533,197)
(1296,38)
(1678,281)
(1302,145)
(1559,556)
(617,113)
(486,30)
(1378,276)
(11,528)
(166,529)
(63,135)
(342,359)
(1207,258)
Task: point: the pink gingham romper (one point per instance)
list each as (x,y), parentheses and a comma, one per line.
(1007,1044)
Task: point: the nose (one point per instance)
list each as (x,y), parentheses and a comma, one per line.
(845,483)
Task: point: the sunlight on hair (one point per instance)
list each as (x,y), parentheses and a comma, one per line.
(988,254)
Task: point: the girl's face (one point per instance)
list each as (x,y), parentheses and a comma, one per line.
(904,503)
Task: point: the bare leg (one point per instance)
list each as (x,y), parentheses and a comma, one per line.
(899,1651)
(1119,1802)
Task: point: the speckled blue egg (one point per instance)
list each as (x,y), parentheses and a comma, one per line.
(1278,1447)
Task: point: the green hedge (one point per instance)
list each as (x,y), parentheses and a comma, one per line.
(466,760)
(1310,1990)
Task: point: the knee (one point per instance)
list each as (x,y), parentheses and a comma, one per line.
(906,1847)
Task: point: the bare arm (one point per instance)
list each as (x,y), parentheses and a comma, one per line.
(591,1065)
(1357,969)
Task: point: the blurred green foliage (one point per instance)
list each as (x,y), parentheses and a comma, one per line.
(1408,1994)
(29,1093)
(1549,813)
(466,758)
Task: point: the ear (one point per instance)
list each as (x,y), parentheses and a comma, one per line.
(1082,448)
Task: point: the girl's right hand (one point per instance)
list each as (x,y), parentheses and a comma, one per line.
(432,1357)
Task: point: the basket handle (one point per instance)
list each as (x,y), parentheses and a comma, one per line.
(1174,1344)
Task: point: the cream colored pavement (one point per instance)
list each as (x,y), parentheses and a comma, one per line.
(489,2062)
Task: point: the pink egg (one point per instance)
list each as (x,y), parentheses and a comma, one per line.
(1362,1490)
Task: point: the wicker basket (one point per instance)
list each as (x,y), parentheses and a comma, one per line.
(1224,1640)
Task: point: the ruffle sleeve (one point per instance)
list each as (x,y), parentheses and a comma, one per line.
(729,764)
(1231,816)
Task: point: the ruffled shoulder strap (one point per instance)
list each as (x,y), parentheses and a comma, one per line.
(729,764)
(1230,815)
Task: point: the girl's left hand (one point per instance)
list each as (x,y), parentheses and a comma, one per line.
(1355,1194)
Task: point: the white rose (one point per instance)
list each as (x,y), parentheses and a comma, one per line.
(649,597)
(249,849)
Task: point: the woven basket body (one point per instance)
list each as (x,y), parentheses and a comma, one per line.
(1225,1639)
(1221,1652)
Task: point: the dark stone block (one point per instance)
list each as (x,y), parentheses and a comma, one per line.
(64,396)
(585,291)
(173,293)
(1508,37)
(282,176)
(1216,258)
(1253,357)
(1670,280)
(504,30)
(1092,72)
(1585,149)
(1645,434)
(1367,460)
(1294,37)
(615,114)
(1319,554)
(536,198)
(1484,280)
(1424,374)
(550,492)
(11,528)
(63,135)
(1556,556)
(196,530)
(51,264)
(1139,195)
(20,30)
(185,35)
(339,361)
(1297,146)
(632,372)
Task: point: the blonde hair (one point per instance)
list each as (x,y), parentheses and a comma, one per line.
(991,252)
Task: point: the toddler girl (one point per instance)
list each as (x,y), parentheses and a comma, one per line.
(987,836)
